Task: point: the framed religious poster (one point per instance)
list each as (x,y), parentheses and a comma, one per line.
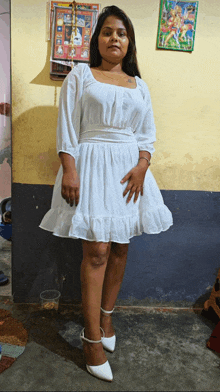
(62,33)
(177,25)
(71,32)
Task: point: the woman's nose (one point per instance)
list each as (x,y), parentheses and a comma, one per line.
(114,36)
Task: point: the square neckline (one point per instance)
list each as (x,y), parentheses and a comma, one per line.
(115,85)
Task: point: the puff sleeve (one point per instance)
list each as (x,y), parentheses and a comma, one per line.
(68,123)
(146,132)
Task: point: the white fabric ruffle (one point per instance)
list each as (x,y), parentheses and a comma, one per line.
(104,229)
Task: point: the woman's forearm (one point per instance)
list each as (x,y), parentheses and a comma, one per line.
(68,162)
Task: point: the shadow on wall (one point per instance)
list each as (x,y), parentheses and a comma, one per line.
(35,160)
(60,261)
(34,134)
(41,261)
(43,78)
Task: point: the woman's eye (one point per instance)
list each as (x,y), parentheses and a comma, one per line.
(108,33)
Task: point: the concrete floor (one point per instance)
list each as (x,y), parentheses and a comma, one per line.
(157,349)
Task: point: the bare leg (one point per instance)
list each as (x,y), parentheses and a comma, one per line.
(95,256)
(113,278)
(169,36)
(182,36)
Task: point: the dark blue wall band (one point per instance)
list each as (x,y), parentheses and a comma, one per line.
(177,267)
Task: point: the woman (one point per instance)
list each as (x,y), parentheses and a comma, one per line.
(105,138)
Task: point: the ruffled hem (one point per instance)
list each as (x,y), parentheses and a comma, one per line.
(63,223)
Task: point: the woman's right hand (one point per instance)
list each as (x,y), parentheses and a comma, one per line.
(70,187)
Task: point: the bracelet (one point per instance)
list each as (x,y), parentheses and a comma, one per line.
(146,159)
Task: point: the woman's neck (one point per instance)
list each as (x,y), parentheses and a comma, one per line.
(112,67)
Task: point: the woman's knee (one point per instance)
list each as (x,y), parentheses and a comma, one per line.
(96,253)
(120,250)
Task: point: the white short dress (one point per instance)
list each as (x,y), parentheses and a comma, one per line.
(104,127)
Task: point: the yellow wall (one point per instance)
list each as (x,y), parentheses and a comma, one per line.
(185,91)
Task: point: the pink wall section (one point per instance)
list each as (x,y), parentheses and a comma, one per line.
(5,122)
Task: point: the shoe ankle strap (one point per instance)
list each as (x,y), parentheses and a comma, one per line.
(88,340)
(107,311)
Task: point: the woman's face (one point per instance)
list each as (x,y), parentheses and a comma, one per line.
(113,40)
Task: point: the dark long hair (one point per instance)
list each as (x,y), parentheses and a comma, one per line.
(129,64)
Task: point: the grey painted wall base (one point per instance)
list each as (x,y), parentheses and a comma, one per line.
(174,268)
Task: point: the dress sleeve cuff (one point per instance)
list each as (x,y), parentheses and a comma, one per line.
(74,152)
(144,147)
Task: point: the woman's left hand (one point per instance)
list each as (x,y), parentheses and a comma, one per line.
(135,178)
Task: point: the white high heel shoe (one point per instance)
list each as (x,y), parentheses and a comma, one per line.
(108,343)
(103,371)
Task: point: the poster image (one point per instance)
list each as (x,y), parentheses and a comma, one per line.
(64,33)
(177,25)
(68,4)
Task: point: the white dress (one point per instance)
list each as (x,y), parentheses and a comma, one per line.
(103,127)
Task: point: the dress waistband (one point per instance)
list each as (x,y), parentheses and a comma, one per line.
(98,134)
